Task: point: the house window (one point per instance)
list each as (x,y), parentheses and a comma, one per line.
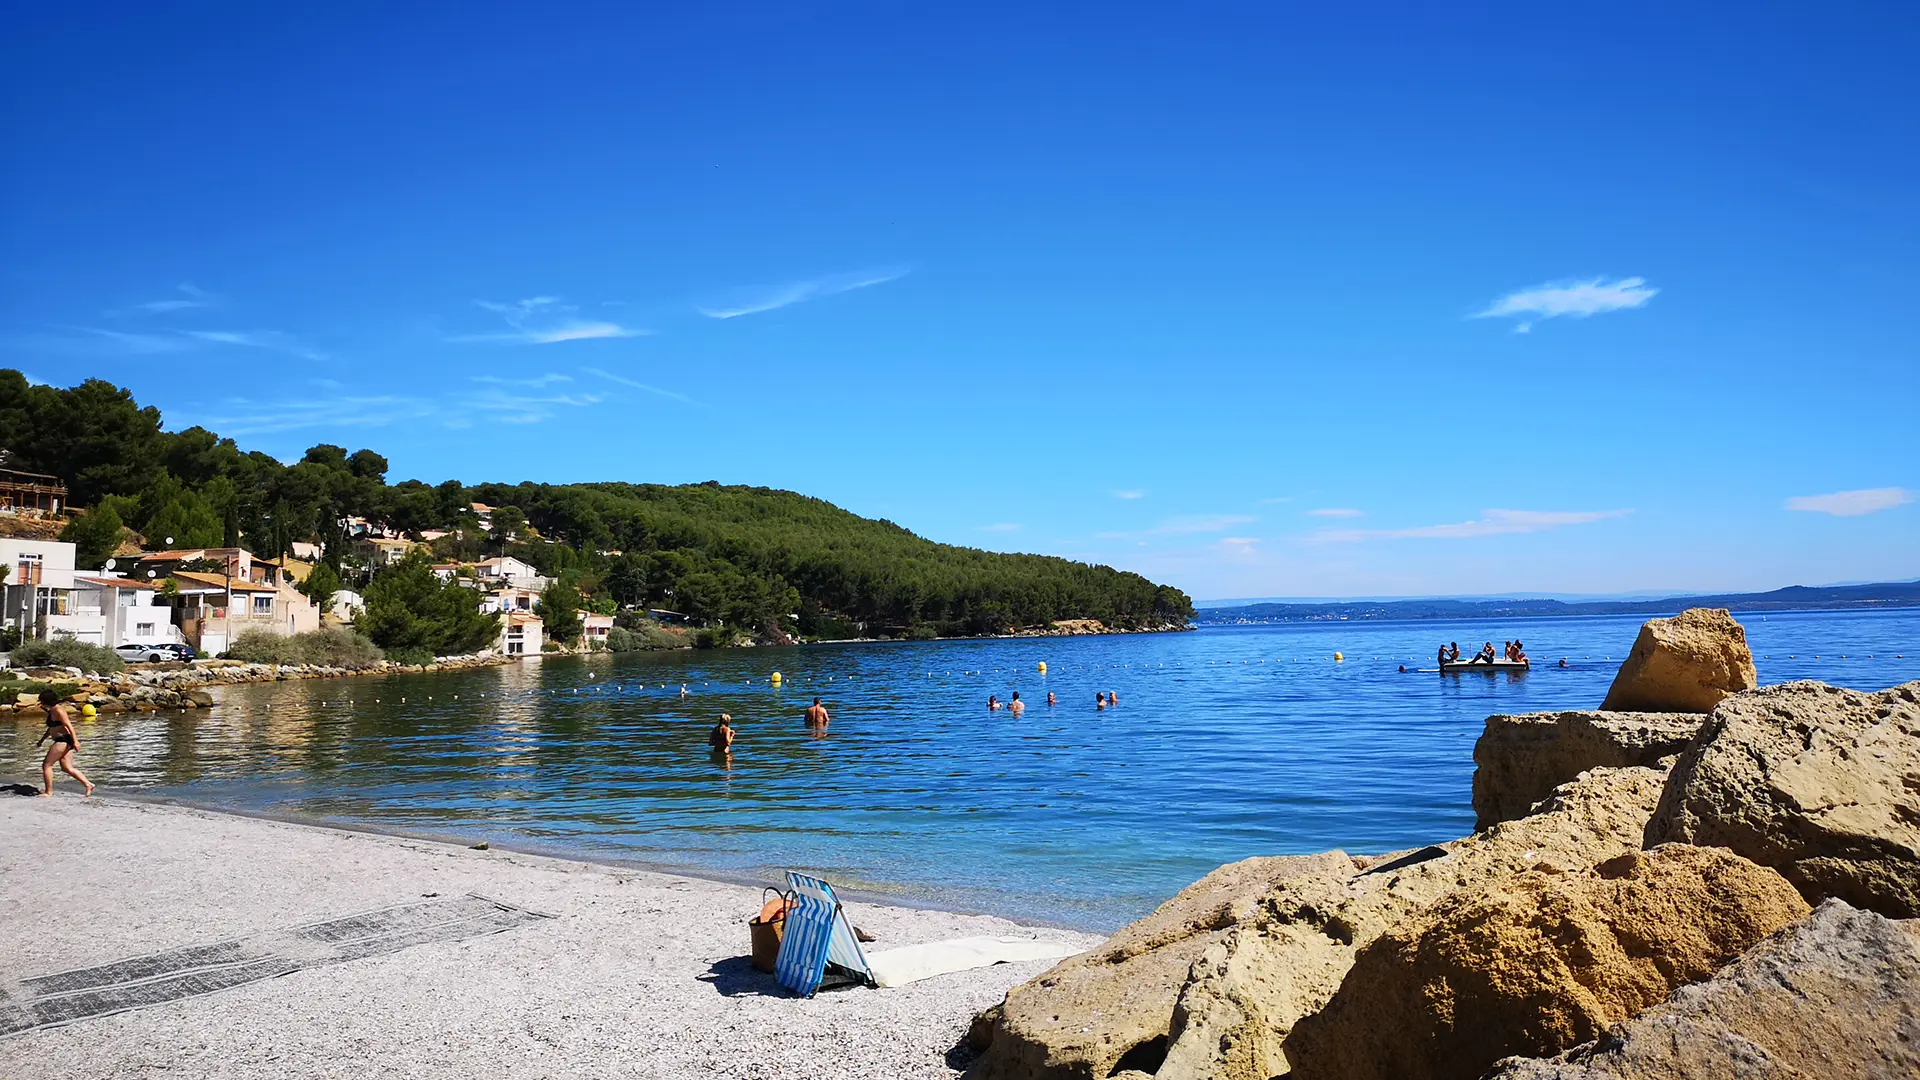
(143,629)
(263,605)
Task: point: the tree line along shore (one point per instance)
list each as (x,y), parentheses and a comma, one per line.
(718,564)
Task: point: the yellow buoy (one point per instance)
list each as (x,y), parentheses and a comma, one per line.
(775,680)
(1042,667)
(1339,656)
(89,710)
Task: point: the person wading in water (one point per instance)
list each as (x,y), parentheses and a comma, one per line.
(817,717)
(65,742)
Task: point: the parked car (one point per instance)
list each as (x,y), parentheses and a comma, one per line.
(154,654)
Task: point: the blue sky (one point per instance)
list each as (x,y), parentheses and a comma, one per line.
(1256,299)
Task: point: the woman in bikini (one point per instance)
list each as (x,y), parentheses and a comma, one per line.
(65,742)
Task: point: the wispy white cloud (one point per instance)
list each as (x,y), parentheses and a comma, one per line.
(517,408)
(138,344)
(330,409)
(245,416)
(1852,503)
(1279,499)
(1490,523)
(567,331)
(796,292)
(636,384)
(1129,494)
(544,320)
(190,297)
(536,382)
(256,339)
(1184,525)
(1001,527)
(1336,512)
(1239,547)
(1573,299)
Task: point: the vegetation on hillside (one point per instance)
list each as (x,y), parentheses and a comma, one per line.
(331,646)
(770,563)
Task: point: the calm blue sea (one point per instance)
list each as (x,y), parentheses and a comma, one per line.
(1227,742)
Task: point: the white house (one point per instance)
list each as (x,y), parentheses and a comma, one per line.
(507,570)
(114,611)
(347,605)
(216,609)
(508,600)
(522,633)
(594,629)
(381,551)
(39,586)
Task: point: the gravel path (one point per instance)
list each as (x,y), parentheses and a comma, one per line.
(641,974)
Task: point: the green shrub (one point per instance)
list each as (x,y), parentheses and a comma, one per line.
(415,655)
(64,651)
(333,646)
(645,637)
(12,684)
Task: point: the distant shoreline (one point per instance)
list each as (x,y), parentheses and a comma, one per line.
(1478,616)
(1017,635)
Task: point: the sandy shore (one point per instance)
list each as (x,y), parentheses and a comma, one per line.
(639,974)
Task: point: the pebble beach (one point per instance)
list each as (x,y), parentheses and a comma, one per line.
(634,974)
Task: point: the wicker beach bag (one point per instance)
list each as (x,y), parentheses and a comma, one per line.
(768,927)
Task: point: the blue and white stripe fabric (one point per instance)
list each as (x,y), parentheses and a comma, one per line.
(817,934)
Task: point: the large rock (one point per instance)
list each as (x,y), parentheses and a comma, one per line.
(1255,982)
(1520,759)
(1836,997)
(1684,664)
(1538,963)
(1820,782)
(1110,1008)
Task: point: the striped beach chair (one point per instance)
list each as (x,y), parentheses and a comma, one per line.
(819,946)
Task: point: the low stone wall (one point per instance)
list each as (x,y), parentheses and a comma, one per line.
(183,686)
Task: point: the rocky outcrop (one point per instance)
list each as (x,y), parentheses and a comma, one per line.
(1820,782)
(1684,664)
(1538,964)
(1836,997)
(1258,980)
(1520,759)
(1109,1009)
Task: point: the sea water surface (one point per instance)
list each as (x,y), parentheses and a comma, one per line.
(1226,743)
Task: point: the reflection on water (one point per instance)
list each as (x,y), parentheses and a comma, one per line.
(1226,743)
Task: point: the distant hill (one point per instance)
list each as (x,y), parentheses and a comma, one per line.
(753,559)
(1792,598)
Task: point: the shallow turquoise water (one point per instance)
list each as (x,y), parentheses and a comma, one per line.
(1227,742)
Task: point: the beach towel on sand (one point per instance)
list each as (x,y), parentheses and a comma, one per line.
(898,967)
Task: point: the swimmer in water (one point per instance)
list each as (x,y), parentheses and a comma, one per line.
(993,703)
(1100,699)
(1016,706)
(721,737)
(1113,699)
(817,717)
(1050,701)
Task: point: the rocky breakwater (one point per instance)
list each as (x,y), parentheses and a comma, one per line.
(1607,906)
(185,686)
